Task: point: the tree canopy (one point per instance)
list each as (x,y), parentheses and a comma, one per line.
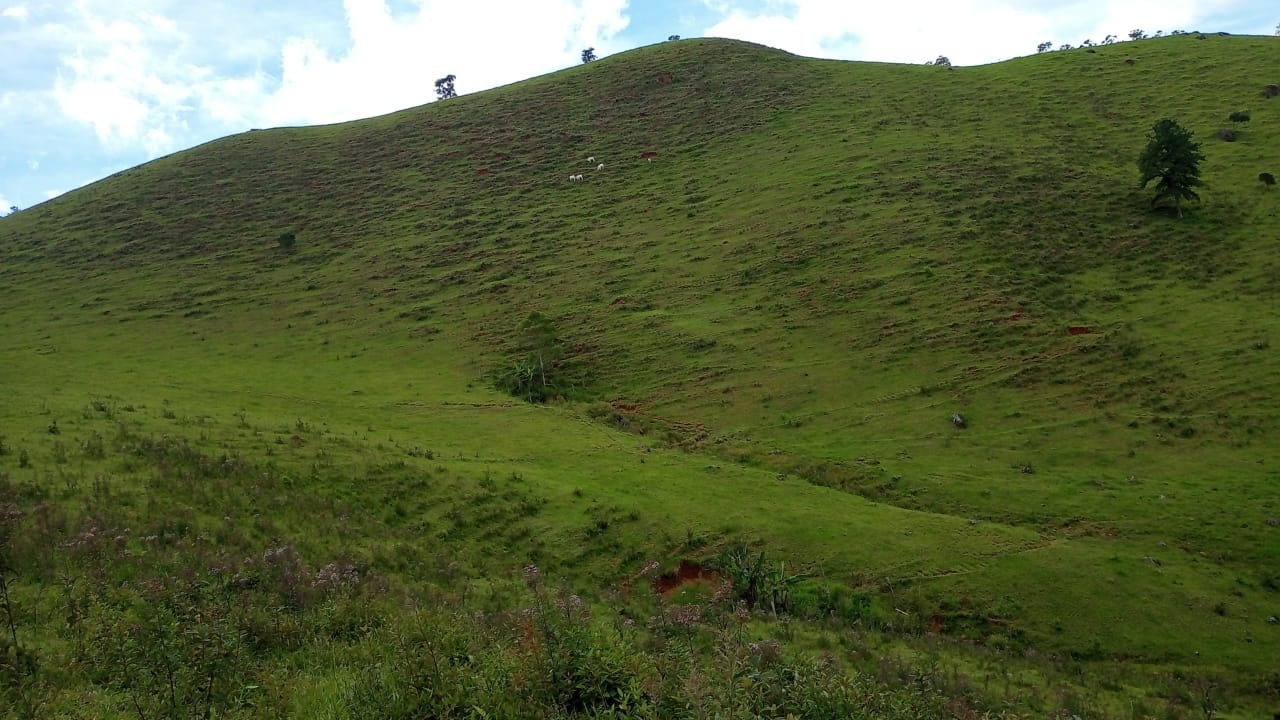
(444,87)
(1172,158)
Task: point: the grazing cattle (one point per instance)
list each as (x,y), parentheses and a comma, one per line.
(591,159)
(600,166)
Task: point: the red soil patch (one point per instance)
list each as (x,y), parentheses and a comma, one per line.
(482,171)
(1079,330)
(648,155)
(690,573)
(1016,316)
(620,301)
(666,79)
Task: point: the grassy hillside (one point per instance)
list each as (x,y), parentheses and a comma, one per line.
(767,330)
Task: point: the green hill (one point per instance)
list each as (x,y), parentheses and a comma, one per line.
(786,279)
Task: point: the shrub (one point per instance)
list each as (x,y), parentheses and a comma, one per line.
(1227,134)
(1271,91)
(1239,116)
(1267,179)
(287,240)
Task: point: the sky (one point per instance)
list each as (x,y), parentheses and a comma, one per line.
(92,87)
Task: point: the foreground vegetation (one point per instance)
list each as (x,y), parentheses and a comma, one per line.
(253,477)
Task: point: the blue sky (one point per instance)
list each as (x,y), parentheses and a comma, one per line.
(91,87)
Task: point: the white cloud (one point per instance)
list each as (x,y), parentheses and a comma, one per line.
(128,82)
(132,77)
(17,12)
(51,194)
(392,62)
(969,32)
(4,205)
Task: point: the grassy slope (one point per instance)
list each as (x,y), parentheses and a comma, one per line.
(824,262)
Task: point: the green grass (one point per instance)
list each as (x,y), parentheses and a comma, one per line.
(824,262)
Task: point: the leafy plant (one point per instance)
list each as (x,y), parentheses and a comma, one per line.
(756,580)
(1267,179)
(538,372)
(287,240)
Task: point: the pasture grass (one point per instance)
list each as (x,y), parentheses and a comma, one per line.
(769,328)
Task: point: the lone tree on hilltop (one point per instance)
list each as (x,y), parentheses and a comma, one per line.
(1172,158)
(444,87)
(1044,47)
(588,55)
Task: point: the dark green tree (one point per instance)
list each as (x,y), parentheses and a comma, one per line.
(588,55)
(1172,158)
(444,87)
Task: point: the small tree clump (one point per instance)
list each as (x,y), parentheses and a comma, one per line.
(942,61)
(535,374)
(287,240)
(588,55)
(671,38)
(1267,179)
(1137,34)
(1239,116)
(445,89)
(1172,158)
(1271,91)
(1044,47)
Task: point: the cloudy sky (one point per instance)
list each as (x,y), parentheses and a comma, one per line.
(90,87)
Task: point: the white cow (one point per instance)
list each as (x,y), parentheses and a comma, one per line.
(600,166)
